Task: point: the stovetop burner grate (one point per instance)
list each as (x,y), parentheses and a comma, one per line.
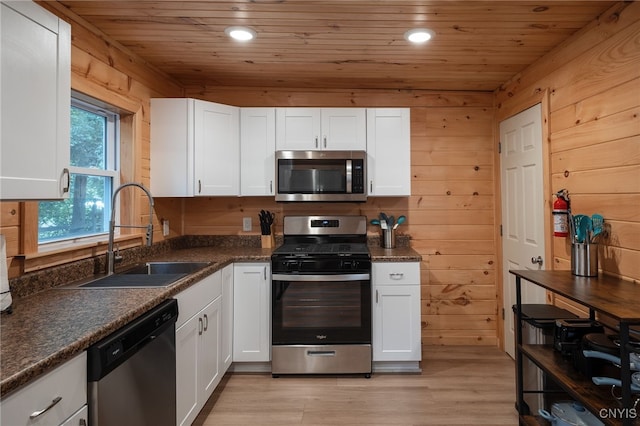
(331,248)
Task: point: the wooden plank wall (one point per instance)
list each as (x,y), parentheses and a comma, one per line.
(449,214)
(592,81)
(594,130)
(594,123)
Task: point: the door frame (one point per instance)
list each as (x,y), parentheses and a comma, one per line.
(503,112)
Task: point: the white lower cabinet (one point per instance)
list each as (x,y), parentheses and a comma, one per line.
(79,418)
(199,366)
(396,311)
(252,312)
(226,352)
(60,396)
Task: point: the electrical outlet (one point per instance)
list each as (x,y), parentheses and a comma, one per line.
(165,227)
(246,224)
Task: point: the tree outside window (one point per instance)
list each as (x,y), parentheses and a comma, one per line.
(93,176)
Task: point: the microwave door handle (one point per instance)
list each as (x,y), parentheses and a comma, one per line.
(349,176)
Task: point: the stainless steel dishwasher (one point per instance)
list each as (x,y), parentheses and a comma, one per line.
(132,372)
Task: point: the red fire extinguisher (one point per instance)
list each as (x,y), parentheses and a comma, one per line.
(561,214)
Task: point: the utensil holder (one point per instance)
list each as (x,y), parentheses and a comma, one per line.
(268,241)
(388,238)
(584,259)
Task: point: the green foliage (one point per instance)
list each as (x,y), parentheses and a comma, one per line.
(85,211)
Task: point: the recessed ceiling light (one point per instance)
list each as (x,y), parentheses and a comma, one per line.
(240,33)
(419,35)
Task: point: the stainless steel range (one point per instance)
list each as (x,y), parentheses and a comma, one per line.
(321,297)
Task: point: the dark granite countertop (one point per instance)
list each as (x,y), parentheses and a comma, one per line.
(51,326)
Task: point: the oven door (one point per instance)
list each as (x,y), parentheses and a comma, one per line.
(321,309)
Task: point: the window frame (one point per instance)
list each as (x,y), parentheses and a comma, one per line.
(111,170)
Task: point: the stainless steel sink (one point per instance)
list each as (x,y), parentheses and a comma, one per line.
(155,268)
(147,275)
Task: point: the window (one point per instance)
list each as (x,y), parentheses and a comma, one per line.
(94,175)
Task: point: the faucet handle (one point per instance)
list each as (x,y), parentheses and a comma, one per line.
(149,235)
(117,257)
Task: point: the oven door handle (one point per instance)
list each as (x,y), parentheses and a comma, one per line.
(323,277)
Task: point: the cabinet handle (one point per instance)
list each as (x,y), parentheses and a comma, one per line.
(37,414)
(325,141)
(370,186)
(66,179)
(270,187)
(264,272)
(316,141)
(206,322)
(376,296)
(396,275)
(199,186)
(200,327)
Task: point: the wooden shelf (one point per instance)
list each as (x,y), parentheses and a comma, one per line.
(579,387)
(603,294)
(611,296)
(533,421)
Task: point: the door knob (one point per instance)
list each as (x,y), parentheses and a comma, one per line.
(537,260)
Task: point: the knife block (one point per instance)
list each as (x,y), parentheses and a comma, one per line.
(268,241)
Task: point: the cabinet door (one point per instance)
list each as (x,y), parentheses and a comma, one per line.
(251,312)
(209,362)
(35,56)
(172,159)
(187,337)
(257,151)
(344,129)
(396,323)
(297,129)
(226,349)
(80,418)
(67,384)
(216,149)
(389,151)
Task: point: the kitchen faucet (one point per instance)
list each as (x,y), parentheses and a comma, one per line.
(111,254)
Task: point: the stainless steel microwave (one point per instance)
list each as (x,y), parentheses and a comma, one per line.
(321,176)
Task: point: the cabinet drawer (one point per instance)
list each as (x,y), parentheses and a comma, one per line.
(195,298)
(67,382)
(396,273)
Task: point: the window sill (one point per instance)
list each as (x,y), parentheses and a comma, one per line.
(58,254)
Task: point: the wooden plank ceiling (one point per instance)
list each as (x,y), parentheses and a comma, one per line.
(355,44)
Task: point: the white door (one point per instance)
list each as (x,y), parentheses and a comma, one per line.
(522,209)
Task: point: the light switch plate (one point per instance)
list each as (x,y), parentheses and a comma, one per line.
(165,228)
(246,224)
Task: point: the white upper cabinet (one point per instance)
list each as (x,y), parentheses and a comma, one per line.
(304,129)
(35,58)
(195,148)
(389,152)
(257,151)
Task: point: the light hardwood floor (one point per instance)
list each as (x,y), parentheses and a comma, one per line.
(458,386)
